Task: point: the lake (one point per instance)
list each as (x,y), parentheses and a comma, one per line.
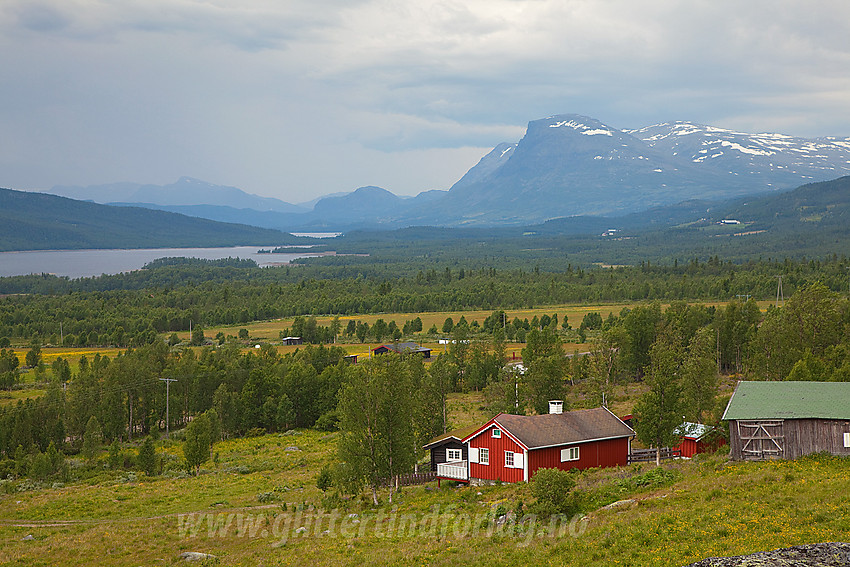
(87,263)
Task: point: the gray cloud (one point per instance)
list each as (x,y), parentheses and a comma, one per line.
(298,98)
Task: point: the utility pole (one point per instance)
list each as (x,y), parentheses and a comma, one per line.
(779,291)
(717,352)
(168,382)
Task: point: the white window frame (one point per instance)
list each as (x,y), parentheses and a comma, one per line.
(483,456)
(453,455)
(514,460)
(473,454)
(847,440)
(570,454)
(496,433)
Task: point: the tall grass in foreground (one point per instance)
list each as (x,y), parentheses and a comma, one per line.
(684,512)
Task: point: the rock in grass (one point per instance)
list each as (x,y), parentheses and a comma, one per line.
(196,556)
(813,555)
(620,504)
(28,537)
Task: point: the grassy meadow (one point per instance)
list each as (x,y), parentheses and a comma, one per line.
(256,503)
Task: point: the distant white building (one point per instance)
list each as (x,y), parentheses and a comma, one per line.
(728,221)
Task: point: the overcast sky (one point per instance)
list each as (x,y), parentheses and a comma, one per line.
(297,98)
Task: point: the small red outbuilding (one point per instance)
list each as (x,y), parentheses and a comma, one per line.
(698,438)
(511,448)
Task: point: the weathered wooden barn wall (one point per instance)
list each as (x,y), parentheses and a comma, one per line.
(798,437)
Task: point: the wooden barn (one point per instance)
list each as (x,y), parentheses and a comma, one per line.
(449,455)
(292,341)
(511,448)
(786,420)
(403,348)
(697,438)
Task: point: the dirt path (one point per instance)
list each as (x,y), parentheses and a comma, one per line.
(100,521)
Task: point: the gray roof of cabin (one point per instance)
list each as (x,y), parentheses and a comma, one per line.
(457,435)
(789,400)
(404,347)
(576,426)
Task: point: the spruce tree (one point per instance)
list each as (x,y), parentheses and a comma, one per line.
(115,457)
(91,439)
(196,447)
(147,460)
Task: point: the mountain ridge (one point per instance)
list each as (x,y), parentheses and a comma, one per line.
(565,165)
(39,221)
(186,191)
(570,164)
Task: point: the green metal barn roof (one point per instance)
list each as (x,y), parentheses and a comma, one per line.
(789,400)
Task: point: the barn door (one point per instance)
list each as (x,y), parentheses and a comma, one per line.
(761,440)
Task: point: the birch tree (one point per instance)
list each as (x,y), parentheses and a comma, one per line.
(377,436)
(659,410)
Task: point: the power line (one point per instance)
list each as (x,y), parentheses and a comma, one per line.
(168,382)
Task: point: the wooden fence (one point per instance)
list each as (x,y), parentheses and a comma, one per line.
(647,455)
(410,479)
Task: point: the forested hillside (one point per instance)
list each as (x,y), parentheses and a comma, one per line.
(37,221)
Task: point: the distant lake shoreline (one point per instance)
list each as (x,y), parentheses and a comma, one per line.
(95,262)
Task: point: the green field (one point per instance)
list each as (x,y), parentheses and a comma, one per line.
(247,507)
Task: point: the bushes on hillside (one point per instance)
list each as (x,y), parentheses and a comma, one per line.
(553,490)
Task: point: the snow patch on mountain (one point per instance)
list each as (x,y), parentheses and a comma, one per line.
(744,150)
(581,128)
(510,148)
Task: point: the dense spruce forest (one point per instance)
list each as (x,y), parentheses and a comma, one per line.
(130,309)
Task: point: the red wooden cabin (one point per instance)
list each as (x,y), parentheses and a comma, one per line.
(511,448)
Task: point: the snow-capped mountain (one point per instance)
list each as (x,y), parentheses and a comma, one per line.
(570,165)
(771,160)
(565,165)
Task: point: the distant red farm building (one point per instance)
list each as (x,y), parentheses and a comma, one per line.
(698,438)
(511,448)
